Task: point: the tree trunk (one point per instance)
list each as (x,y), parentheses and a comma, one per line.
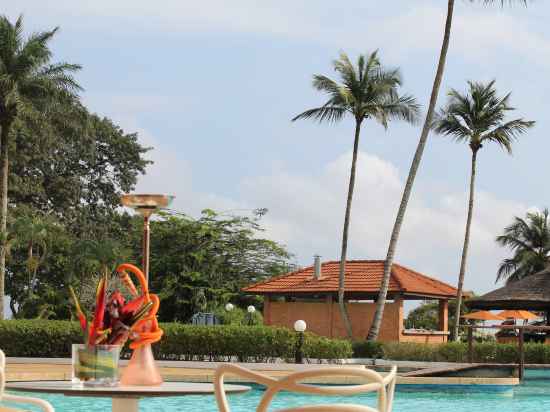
(465,248)
(4,168)
(342,271)
(377,321)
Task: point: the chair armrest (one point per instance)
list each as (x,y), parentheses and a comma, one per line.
(44,405)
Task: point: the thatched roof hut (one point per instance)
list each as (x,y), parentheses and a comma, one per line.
(531,293)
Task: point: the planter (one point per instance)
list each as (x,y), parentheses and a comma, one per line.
(95,365)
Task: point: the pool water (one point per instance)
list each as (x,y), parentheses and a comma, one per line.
(531,396)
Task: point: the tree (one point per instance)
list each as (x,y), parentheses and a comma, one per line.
(426,316)
(529,240)
(74,165)
(415,164)
(31,236)
(477,118)
(366,92)
(28,83)
(214,256)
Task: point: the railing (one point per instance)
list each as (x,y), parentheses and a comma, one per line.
(521,340)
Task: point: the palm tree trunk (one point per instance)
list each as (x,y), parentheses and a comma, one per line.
(4,168)
(342,271)
(377,321)
(465,248)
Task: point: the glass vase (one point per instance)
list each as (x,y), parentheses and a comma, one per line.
(95,365)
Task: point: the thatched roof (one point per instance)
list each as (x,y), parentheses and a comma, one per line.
(532,292)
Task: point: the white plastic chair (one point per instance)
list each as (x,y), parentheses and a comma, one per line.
(384,385)
(44,405)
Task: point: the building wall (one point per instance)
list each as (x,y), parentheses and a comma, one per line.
(323,318)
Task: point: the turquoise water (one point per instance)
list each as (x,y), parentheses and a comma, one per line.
(531,396)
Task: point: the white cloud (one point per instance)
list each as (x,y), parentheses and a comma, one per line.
(306,213)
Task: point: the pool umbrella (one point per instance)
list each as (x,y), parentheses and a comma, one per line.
(518,314)
(483,315)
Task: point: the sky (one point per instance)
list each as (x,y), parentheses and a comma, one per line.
(211,87)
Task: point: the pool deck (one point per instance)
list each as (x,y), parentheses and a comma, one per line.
(28,369)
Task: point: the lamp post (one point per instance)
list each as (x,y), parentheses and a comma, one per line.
(146,205)
(251,309)
(300,327)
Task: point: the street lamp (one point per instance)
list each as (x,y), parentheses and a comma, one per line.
(146,205)
(300,327)
(251,309)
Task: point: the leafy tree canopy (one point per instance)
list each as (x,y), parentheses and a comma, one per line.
(529,240)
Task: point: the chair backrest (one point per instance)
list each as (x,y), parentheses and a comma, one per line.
(375,382)
(42,404)
(2,372)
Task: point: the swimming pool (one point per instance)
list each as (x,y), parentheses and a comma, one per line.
(531,396)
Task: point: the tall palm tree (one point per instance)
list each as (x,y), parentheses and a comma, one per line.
(477,118)
(367,91)
(28,83)
(529,239)
(415,164)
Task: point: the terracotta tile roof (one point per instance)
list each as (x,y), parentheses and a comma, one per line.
(362,276)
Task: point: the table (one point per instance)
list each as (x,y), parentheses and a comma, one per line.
(125,398)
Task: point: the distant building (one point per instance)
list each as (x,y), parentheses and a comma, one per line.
(311,294)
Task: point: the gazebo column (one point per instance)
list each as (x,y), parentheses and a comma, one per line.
(329,316)
(267,310)
(444,315)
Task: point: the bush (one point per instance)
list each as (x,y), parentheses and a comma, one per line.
(483,352)
(367,349)
(43,338)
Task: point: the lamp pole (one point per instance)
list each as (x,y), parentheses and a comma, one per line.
(300,327)
(146,205)
(251,309)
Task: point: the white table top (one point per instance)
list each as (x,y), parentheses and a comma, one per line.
(166,389)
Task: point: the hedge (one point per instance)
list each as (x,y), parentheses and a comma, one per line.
(484,352)
(41,338)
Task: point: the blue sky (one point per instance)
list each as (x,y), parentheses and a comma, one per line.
(212,86)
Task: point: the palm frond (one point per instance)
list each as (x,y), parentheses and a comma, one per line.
(330,114)
(479,116)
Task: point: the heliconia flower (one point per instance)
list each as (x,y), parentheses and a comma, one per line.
(99,314)
(81,316)
(127,280)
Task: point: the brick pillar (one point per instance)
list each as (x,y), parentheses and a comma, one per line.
(328,304)
(267,310)
(401,319)
(444,315)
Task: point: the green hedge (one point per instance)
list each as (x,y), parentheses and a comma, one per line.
(484,352)
(39,338)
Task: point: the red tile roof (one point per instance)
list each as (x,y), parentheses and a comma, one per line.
(362,277)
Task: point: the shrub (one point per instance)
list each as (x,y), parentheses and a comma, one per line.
(367,349)
(43,338)
(483,352)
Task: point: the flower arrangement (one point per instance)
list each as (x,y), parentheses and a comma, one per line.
(114,322)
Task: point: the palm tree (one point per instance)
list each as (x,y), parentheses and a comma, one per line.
(368,91)
(529,239)
(415,164)
(28,83)
(477,118)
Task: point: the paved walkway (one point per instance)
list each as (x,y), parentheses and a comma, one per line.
(25,369)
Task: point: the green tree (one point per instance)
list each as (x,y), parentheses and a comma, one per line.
(477,118)
(213,255)
(75,165)
(28,83)
(529,240)
(31,235)
(426,315)
(367,91)
(415,164)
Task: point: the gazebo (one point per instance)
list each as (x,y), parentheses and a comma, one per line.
(311,294)
(529,293)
